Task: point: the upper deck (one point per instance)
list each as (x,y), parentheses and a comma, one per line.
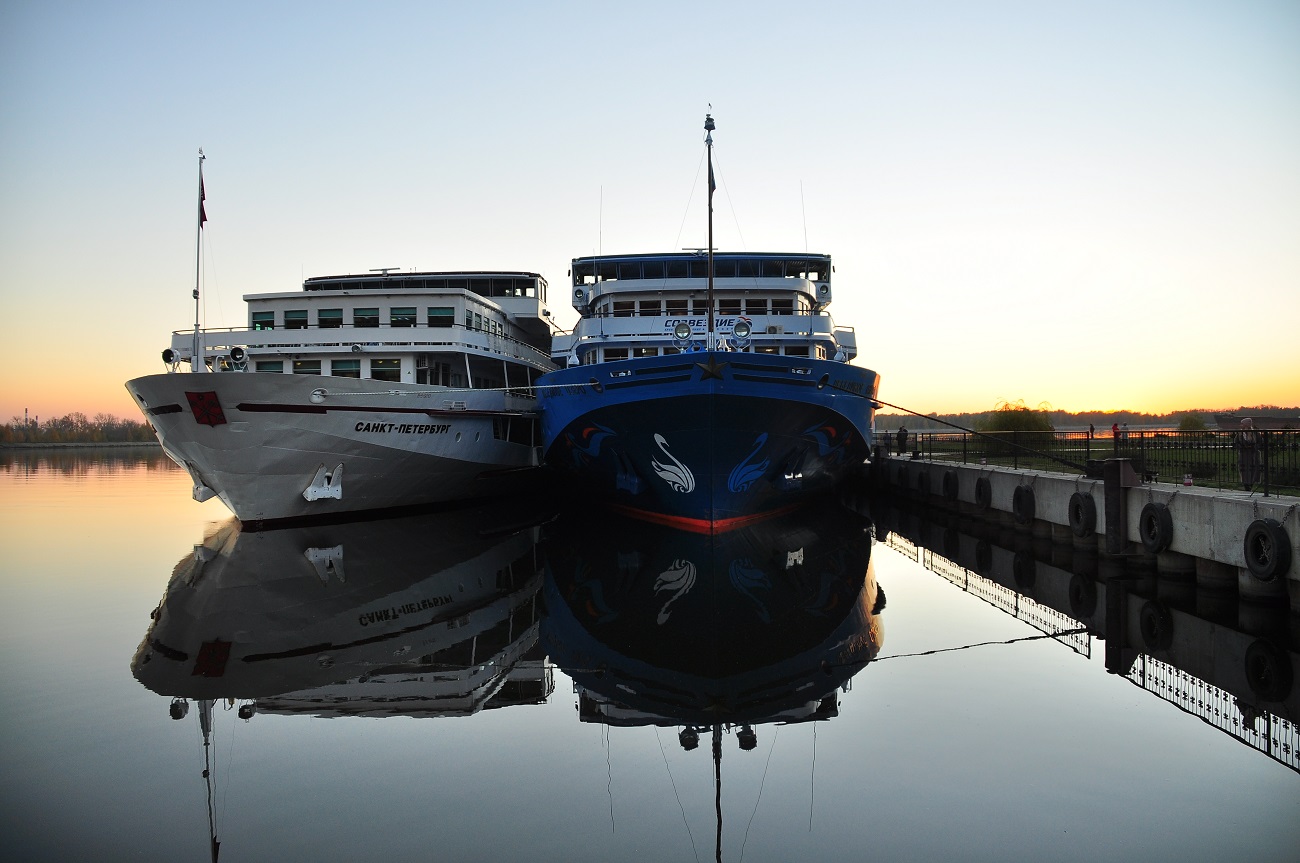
(597,278)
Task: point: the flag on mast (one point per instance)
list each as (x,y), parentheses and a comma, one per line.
(203,214)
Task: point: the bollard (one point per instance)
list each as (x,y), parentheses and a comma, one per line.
(1118,477)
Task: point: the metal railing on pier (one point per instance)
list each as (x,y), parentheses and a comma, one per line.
(1217,459)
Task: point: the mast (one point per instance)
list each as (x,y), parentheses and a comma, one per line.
(196,357)
(708,142)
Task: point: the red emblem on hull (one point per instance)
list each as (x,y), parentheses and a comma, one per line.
(212,658)
(206,408)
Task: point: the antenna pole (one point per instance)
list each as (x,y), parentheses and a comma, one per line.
(196,357)
(708,142)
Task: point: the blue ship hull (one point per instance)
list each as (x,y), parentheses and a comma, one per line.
(707,441)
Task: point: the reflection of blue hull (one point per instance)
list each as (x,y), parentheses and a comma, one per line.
(757,624)
(707,440)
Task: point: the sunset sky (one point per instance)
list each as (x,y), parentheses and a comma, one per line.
(1091,204)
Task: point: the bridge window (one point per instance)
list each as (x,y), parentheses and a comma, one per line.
(401,316)
(386,370)
(783,307)
(345,368)
(679,269)
(645,352)
(263,320)
(700,306)
(623,308)
(615,354)
(730,308)
(329,319)
(649,308)
(652,270)
(306,367)
(774,269)
(441,316)
(755,305)
(295,319)
(272,366)
(365,317)
(677,307)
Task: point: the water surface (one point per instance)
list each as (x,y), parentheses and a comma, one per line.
(406,701)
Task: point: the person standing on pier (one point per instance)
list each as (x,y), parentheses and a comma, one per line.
(1248,455)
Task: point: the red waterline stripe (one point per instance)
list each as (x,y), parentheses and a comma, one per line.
(701,525)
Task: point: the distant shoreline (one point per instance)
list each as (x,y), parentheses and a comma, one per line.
(83,445)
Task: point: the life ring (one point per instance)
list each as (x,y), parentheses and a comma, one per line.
(1267,548)
(983,493)
(1268,671)
(1083,596)
(1156,527)
(1024,569)
(1022,504)
(1157,626)
(1083,514)
(951,484)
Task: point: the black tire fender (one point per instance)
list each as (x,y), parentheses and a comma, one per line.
(1267,548)
(1156,527)
(1083,596)
(1022,504)
(1268,671)
(1157,626)
(1083,514)
(951,485)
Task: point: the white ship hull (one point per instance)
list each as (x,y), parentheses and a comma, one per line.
(279,446)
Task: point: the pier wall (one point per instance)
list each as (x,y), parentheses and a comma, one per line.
(1187,528)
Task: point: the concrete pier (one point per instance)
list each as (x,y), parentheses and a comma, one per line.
(1206,532)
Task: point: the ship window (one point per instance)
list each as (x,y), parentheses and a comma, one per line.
(747,269)
(482,287)
(645,352)
(774,269)
(724,269)
(329,319)
(676,307)
(615,354)
(469,320)
(263,320)
(652,270)
(650,308)
(345,368)
(365,317)
(679,269)
(783,307)
(306,367)
(295,319)
(729,307)
(767,349)
(801,351)
(668,351)
(804,305)
(401,316)
(700,306)
(700,268)
(755,306)
(441,316)
(386,370)
(458,284)
(630,270)
(273,366)
(478,321)
(623,308)
(606,271)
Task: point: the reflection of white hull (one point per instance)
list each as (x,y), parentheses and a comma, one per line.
(300,608)
(269,450)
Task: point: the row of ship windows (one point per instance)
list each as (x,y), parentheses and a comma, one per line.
(398,316)
(700,306)
(380,370)
(588,272)
(612,354)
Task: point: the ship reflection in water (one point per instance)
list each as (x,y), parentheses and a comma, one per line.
(429,616)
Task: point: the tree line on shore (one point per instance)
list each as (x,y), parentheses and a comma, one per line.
(1016,416)
(76,427)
